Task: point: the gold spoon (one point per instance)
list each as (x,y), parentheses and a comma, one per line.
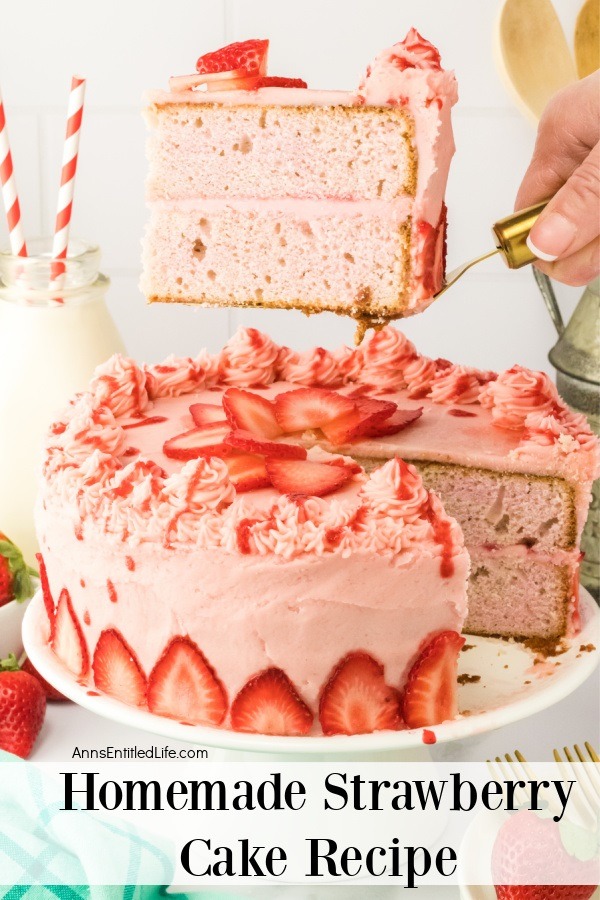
(532,53)
(587,39)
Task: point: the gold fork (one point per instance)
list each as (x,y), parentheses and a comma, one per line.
(589,789)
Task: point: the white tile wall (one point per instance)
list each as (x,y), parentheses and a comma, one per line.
(491,319)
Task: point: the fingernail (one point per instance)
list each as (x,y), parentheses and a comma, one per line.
(537,252)
(551,236)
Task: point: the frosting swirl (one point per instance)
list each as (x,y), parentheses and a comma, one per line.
(418,375)
(209,364)
(316,367)
(173,377)
(515,394)
(200,485)
(396,490)
(408,67)
(248,358)
(383,357)
(120,384)
(349,362)
(92,426)
(456,384)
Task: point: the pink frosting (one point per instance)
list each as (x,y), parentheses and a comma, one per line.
(92,427)
(515,394)
(173,377)
(200,485)
(387,81)
(314,367)
(396,489)
(120,384)
(209,363)
(418,375)
(456,384)
(562,433)
(248,358)
(383,357)
(349,363)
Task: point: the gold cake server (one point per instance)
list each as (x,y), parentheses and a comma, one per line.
(510,235)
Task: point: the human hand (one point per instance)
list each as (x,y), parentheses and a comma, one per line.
(566,166)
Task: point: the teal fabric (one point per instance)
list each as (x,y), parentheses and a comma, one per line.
(43,855)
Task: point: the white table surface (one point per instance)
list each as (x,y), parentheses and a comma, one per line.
(574,720)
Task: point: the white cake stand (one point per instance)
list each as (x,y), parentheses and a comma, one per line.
(501,684)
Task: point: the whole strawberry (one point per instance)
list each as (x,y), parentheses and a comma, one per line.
(527,848)
(15,575)
(51,692)
(22,709)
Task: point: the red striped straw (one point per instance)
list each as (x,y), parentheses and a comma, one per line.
(9,191)
(60,244)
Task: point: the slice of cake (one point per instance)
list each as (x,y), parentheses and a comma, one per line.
(280,196)
(197,560)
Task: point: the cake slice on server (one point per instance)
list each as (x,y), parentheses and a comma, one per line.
(265,193)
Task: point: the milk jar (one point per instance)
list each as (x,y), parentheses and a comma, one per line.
(54,330)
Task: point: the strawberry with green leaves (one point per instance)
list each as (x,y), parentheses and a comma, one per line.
(15,574)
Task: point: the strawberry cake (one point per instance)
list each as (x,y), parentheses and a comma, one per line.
(213,547)
(199,559)
(263,192)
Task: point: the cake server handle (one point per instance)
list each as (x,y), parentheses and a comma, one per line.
(510,236)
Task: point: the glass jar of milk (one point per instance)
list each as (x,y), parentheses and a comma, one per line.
(53,333)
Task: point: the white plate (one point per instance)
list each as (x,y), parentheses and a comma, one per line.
(510,687)
(11,620)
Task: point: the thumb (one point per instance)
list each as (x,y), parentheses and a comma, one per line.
(572,218)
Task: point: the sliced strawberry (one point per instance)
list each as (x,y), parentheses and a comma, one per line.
(356,699)
(251,412)
(207,414)
(46,593)
(117,671)
(311,408)
(302,477)
(278,81)
(396,422)
(269,704)
(430,690)
(365,415)
(249,443)
(431,254)
(251,56)
(51,692)
(247,472)
(205,441)
(236,79)
(183,686)
(353,467)
(68,641)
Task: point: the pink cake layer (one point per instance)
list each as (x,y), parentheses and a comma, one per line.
(384,149)
(211,150)
(279,254)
